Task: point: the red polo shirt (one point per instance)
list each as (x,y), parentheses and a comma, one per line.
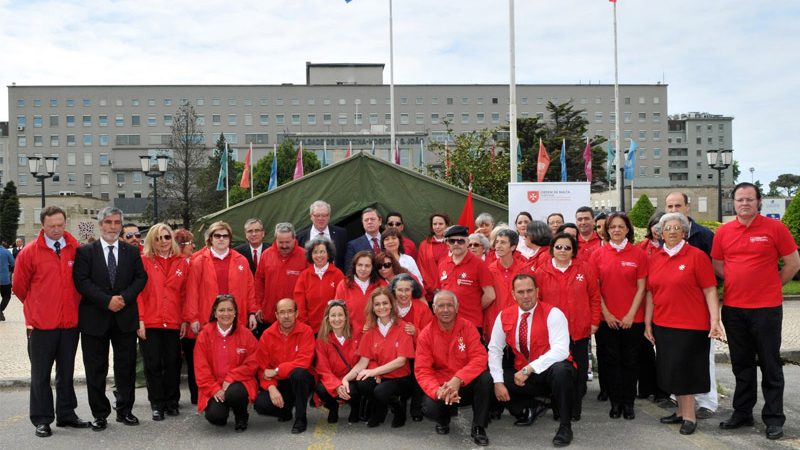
(587,247)
(467,280)
(618,272)
(750,254)
(381,350)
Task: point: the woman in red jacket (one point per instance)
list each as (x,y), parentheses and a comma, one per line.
(571,285)
(317,284)
(225,366)
(185,240)
(382,372)
(431,251)
(336,354)
(362,278)
(161,324)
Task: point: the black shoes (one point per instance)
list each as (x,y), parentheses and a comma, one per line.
(736,422)
(602,396)
(300,425)
(73,423)
(669,420)
(398,414)
(563,437)
(286,417)
(774,432)
(333,412)
(158,415)
(688,427)
(173,411)
(442,429)
(43,430)
(616,411)
(241,423)
(129,419)
(479,436)
(98,425)
(628,413)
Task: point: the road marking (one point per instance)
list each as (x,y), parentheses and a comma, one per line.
(323,436)
(11,420)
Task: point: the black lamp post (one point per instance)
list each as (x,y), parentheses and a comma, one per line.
(42,167)
(154,171)
(719,160)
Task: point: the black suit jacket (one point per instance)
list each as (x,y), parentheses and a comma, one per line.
(90,274)
(244,249)
(356,245)
(339,237)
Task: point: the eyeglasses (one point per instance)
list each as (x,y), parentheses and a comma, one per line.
(166,237)
(220,236)
(673,228)
(336,302)
(565,248)
(393,224)
(130,235)
(474,245)
(456,241)
(183,244)
(386,265)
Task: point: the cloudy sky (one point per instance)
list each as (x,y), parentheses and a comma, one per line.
(732,57)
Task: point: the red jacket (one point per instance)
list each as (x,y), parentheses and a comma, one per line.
(202,289)
(284,352)
(218,359)
(312,294)
(441,354)
(575,292)
(541,258)
(419,315)
(161,300)
(330,366)
(356,301)
(502,277)
(43,283)
(276,276)
(428,257)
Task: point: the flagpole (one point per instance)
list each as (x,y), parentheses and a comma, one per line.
(391,74)
(512,109)
(620,155)
(227,172)
(252,181)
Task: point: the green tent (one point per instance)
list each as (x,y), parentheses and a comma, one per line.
(351,185)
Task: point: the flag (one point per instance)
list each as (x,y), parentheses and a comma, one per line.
(587,161)
(324,153)
(446,160)
(298,163)
(373,148)
(273,173)
(421,154)
(563,160)
(396,153)
(350,149)
(467,217)
(543,162)
(610,156)
(630,161)
(223,169)
(245,183)
(519,159)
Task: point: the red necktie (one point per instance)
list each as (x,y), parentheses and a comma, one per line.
(523,335)
(375,247)
(255,257)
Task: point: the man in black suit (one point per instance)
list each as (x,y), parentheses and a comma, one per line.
(320,212)
(109,275)
(370,240)
(255,245)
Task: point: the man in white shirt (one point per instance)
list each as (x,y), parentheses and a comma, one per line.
(255,246)
(538,336)
(320,214)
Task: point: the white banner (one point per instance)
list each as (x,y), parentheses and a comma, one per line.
(543,199)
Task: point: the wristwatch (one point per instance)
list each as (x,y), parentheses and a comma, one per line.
(525,370)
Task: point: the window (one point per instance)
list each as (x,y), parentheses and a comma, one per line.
(119,120)
(37,121)
(137,177)
(656,171)
(87,121)
(71,178)
(38,140)
(128,139)
(167,102)
(70,103)
(87,140)
(449,100)
(404,119)
(215,119)
(103,159)
(357,119)
(231,119)
(419,119)
(23,181)
(434,118)
(102,139)
(231,102)
(710,140)
(403,100)
(200,101)
(279,120)
(215,102)
(480,117)
(373,118)
(721,127)
(87,103)
(656,135)
(642,117)
(699,140)
(312,101)
(656,100)
(641,100)
(201,120)
(642,135)
(627,101)
(21,121)
(434,100)
(598,117)
(709,127)
(22,141)
(70,140)
(103,178)
(465,100)
(295,101)
(232,138)
(102,121)
(327,101)
(136,120)
(494,100)
(264,119)
(495,117)
(656,153)
(464,118)
(626,134)
(151,121)
(450,117)
(248,120)
(420,100)
(584,100)
(53,121)
(642,153)
(295,119)
(524,100)
(256,138)
(342,101)
(327,118)
(642,171)
(54,140)
(87,159)
(626,117)
(656,117)
(342,118)
(20,103)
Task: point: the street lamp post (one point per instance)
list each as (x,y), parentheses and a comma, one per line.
(719,160)
(752,169)
(154,172)
(42,167)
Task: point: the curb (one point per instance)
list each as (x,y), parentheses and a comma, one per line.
(791,355)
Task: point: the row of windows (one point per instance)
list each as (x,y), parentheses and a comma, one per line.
(88,179)
(699,140)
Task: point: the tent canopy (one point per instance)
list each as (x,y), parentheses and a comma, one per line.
(349,186)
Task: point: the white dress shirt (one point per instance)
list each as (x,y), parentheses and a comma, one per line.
(51,243)
(558,331)
(106,247)
(409,264)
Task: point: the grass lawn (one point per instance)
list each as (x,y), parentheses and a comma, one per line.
(792,288)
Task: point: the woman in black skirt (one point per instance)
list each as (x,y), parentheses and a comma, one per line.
(682,313)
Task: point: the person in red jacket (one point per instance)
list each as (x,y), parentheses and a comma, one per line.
(450,367)
(571,285)
(161,324)
(588,239)
(415,313)
(382,373)
(336,355)
(503,270)
(317,284)
(216,270)
(43,283)
(284,355)
(277,273)
(185,240)
(362,278)
(225,366)
(432,250)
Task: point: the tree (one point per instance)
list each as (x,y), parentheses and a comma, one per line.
(736,171)
(792,218)
(9,213)
(181,184)
(641,212)
(788,182)
(287,158)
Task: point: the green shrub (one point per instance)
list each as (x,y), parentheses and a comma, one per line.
(792,218)
(641,212)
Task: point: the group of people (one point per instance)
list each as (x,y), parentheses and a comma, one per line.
(500,319)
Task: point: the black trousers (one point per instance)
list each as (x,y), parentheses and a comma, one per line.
(602,377)
(389,390)
(95,360)
(329,401)
(5,296)
(52,346)
(235,399)
(648,375)
(580,354)
(557,382)
(295,391)
(754,332)
(621,360)
(187,348)
(477,394)
(161,352)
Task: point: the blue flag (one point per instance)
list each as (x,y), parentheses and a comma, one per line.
(223,169)
(273,173)
(519,158)
(610,156)
(563,160)
(630,161)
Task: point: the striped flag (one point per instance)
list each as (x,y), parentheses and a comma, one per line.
(223,169)
(587,161)
(563,160)
(543,162)
(298,163)
(245,183)
(273,173)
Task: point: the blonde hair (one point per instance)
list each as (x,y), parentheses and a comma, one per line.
(151,240)
(372,319)
(325,328)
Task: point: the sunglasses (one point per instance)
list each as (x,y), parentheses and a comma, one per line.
(220,236)
(130,235)
(474,245)
(386,265)
(393,224)
(166,237)
(336,303)
(183,244)
(456,241)
(565,248)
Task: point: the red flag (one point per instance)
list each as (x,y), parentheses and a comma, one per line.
(298,165)
(587,161)
(543,163)
(349,150)
(245,183)
(467,217)
(446,160)
(396,154)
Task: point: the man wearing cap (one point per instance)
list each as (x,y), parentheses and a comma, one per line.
(466,276)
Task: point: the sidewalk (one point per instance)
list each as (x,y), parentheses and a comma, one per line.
(15,367)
